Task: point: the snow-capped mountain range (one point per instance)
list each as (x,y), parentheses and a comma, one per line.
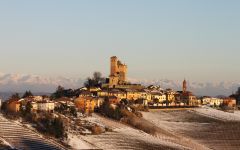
(35,83)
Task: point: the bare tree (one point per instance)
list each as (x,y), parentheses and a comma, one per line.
(95,81)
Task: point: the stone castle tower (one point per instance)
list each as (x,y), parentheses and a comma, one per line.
(118,72)
(184,86)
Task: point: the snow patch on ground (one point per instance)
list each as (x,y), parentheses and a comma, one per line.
(166,121)
(218,114)
(5,142)
(77,142)
(211,128)
(94,120)
(125,137)
(156,119)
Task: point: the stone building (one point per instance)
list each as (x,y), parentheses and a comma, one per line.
(158,97)
(212,101)
(187,97)
(47,106)
(170,95)
(184,87)
(85,104)
(13,105)
(118,72)
(230,102)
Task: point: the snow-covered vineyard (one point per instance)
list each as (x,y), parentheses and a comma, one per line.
(199,129)
(121,137)
(217,114)
(19,137)
(124,137)
(212,128)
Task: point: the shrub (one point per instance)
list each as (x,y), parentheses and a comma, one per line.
(140,124)
(96,129)
(137,108)
(138,114)
(110,111)
(58,128)
(51,125)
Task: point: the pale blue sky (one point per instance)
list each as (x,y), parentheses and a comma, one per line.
(172,39)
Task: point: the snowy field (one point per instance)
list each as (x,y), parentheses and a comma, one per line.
(124,137)
(4,144)
(14,134)
(218,114)
(199,128)
(211,128)
(76,142)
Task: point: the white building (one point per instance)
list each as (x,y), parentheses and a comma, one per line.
(212,101)
(34,106)
(158,96)
(45,106)
(37,98)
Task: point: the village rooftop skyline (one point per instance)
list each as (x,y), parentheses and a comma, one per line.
(11,83)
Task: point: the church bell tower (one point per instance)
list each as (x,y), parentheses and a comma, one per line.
(184,86)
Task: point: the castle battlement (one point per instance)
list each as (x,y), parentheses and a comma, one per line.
(118,72)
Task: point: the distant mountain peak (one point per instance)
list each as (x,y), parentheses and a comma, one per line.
(35,83)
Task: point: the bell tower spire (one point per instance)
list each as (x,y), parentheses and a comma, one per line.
(184,86)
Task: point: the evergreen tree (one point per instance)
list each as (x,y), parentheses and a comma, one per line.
(15,96)
(58,128)
(73,111)
(27,94)
(28,108)
(22,111)
(59,93)
(4,106)
(238,91)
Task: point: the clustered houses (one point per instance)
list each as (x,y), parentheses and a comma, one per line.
(152,96)
(216,102)
(212,101)
(38,104)
(116,89)
(45,106)
(85,104)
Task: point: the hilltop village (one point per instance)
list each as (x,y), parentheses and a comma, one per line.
(116,88)
(62,114)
